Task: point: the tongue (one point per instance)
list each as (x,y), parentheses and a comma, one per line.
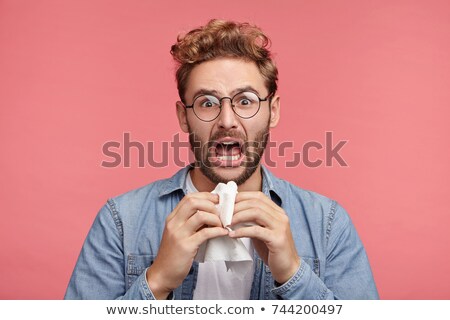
(229,151)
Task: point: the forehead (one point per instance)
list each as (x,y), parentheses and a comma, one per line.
(225,75)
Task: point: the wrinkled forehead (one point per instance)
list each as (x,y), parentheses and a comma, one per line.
(225,77)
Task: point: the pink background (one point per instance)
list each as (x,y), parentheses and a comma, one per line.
(76,74)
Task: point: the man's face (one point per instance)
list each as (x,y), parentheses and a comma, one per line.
(229,147)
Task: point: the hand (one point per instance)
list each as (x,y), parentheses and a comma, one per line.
(272,237)
(193,221)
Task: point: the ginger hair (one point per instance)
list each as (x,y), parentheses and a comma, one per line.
(219,38)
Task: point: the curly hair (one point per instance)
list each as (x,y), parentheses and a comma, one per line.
(219,38)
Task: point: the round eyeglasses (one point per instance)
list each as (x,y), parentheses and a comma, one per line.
(245,104)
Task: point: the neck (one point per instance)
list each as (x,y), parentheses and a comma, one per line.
(203,184)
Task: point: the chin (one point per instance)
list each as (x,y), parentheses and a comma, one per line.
(225,174)
(229,173)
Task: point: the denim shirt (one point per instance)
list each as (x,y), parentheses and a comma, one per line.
(125,236)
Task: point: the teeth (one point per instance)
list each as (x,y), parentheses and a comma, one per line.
(228,142)
(228,158)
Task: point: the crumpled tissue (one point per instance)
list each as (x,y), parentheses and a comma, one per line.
(233,251)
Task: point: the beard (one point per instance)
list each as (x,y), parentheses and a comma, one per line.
(253,151)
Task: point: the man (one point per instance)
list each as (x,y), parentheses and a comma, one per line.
(142,244)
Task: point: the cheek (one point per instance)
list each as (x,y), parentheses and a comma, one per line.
(201,129)
(253,129)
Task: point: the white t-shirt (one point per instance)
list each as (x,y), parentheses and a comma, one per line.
(213,280)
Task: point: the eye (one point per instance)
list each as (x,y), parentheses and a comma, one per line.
(246,99)
(244,102)
(206,102)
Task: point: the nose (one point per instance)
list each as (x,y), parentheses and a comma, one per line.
(227,118)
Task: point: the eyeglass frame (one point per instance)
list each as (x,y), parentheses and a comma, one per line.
(231,103)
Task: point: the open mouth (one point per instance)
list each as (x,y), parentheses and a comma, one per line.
(228,151)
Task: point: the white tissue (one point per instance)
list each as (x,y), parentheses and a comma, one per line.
(227,196)
(233,251)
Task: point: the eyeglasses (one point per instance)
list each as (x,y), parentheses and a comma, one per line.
(245,104)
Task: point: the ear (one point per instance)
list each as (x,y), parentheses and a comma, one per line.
(274,111)
(182,117)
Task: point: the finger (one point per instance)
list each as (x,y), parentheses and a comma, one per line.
(207,233)
(263,207)
(193,205)
(190,207)
(257,196)
(214,198)
(253,232)
(254,214)
(198,220)
(246,195)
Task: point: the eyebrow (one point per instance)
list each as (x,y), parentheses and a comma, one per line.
(216,93)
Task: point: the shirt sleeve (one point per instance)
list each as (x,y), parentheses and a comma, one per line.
(100,269)
(347,272)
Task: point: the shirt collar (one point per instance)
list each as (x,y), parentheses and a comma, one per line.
(176,182)
(270,186)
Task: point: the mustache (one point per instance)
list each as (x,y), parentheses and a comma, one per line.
(230,134)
